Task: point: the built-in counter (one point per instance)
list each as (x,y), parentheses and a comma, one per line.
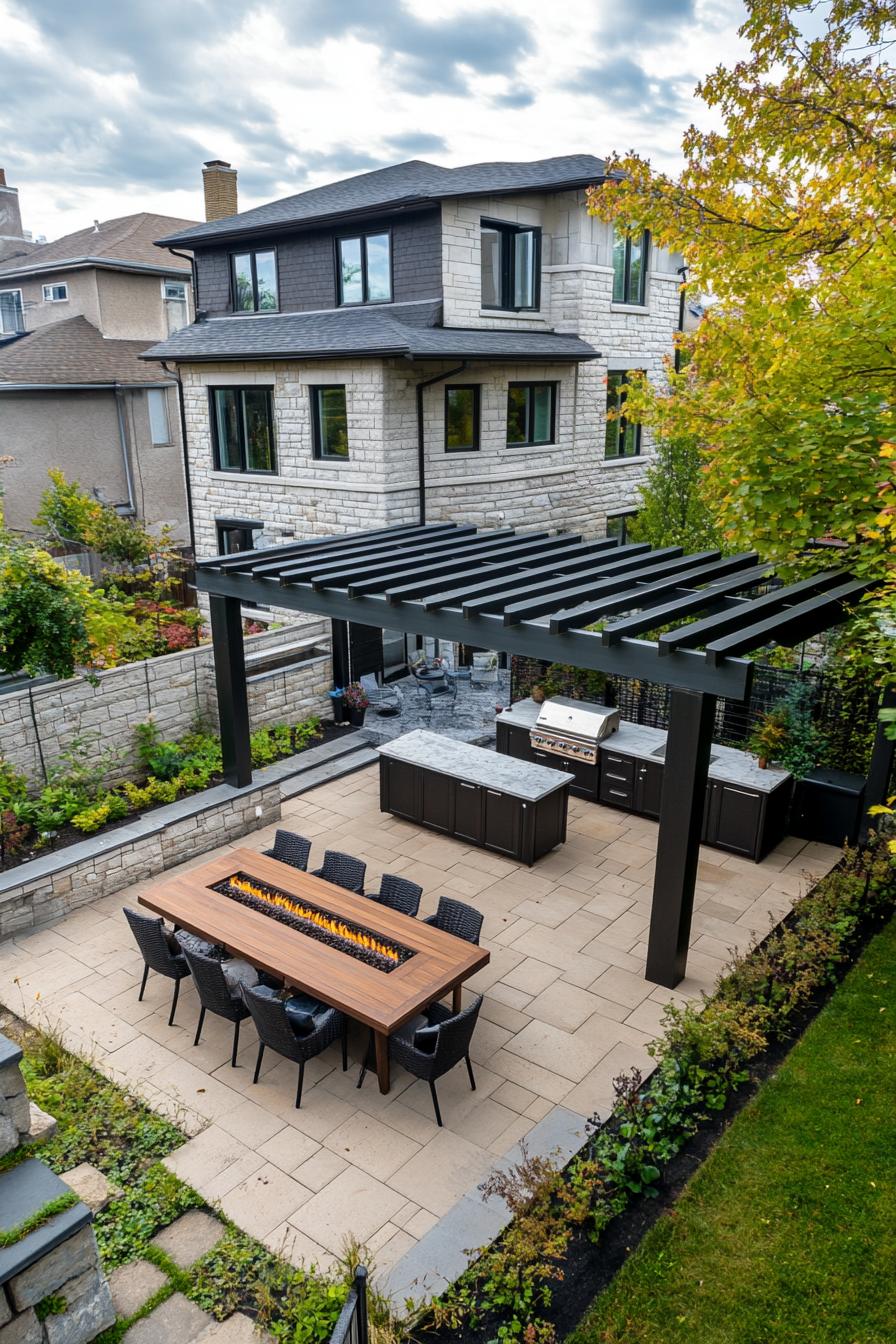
(514,807)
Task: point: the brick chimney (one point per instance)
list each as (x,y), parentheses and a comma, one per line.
(10,214)
(219,185)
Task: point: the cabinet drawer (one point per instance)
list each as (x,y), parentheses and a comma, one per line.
(617,792)
(621,769)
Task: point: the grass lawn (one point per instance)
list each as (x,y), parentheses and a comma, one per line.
(787,1234)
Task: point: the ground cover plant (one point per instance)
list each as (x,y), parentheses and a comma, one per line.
(704,1056)
(77,799)
(788,1231)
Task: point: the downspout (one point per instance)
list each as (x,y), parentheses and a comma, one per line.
(683,273)
(175,373)
(125,456)
(421,447)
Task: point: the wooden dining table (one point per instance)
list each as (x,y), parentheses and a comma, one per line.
(380,1000)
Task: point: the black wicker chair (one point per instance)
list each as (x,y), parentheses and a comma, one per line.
(398,893)
(275,1030)
(290,848)
(216,996)
(447,1039)
(451,916)
(343,871)
(152,939)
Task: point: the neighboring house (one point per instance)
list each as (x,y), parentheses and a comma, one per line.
(418,342)
(76,313)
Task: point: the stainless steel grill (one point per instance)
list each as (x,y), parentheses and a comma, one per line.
(573,728)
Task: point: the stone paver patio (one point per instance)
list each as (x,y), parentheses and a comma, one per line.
(566,1009)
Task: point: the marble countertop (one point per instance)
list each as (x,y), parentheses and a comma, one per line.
(728,765)
(475,765)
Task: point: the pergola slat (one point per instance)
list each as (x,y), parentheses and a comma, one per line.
(354,561)
(703,599)
(654,590)
(341,548)
(537,559)
(378,577)
(791,626)
(250,561)
(606,562)
(541,603)
(715,627)
(480,587)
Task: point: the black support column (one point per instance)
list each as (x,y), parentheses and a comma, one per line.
(678,848)
(339,645)
(230,681)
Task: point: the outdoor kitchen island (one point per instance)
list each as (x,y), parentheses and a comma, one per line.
(513,807)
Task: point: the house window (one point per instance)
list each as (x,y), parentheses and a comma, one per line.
(510,262)
(236,535)
(159,430)
(630,267)
(618,525)
(12,317)
(254,282)
(174,295)
(329,421)
(623,437)
(365,268)
(243,428)
(531,410)
(55,293)
(462,419)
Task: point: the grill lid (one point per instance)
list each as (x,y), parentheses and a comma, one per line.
(577,718)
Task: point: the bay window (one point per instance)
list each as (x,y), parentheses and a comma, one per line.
(510,261)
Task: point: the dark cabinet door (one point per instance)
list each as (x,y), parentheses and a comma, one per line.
(513,742)
(649,792)
(467,811)
(735,818)
(402,792)
(502,822)
(436,801)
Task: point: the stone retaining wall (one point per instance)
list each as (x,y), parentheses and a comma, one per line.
(175,689)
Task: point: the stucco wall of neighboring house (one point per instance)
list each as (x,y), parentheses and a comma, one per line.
(158,470)
(76,431)
(131,307)
(82,301)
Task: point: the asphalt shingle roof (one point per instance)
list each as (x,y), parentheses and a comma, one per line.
(129,239)
(399,185)
(74,351)
(395,330)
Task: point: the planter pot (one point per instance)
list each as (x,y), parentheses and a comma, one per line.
(762,762)
(356,717)
(538,695)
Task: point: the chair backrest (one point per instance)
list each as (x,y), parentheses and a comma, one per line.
(455,1035)
(150,935)
(273,1026)
(399,893)
(208,977)
(343,870)
(456,917)
(369,684)
(292,849)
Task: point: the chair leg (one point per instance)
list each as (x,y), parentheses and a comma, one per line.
(470,1072)
(301,1082)
(174,1003)
(143,983)
(258,1061)
(236,1043)
(435,1103)
(199,1026)
(344,1046)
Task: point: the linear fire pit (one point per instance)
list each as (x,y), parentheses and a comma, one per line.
(343,934)
(431,963)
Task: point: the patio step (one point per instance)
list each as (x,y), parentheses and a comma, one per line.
(354,755)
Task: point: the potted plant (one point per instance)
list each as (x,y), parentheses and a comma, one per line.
(356,699)
(337,700)
(539,694)
(769,737)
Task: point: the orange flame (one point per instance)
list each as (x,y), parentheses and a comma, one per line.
(323,921)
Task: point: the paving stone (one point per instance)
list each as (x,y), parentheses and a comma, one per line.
(189,1237)
(237,1329)
(91,1185)
(42,1126)
(176,1321)
(132,1285)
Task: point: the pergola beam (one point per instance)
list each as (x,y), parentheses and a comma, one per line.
(481,586)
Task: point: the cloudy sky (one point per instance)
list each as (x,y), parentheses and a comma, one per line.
(110,106)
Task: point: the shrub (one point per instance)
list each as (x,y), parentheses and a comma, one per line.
(91,819)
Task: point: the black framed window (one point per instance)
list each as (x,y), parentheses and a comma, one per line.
(531,413)
(329,422)
(618,525)
(462,418)
(510,260)
(243,429)
(236,535)
(630,267)
(364,268)
(623,437)
(254,281)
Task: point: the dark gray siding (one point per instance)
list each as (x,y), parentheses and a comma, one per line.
(307,266)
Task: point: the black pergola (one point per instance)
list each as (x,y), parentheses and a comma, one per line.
(537,594)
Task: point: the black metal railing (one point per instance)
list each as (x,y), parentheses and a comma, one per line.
(351,1328)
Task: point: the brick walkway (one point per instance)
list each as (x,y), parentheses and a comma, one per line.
(566,1009)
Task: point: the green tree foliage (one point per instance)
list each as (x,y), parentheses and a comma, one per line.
(674,509)
(785,216)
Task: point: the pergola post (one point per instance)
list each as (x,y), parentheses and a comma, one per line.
(880,771)
(339,653)
(686,770)
(230,682)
